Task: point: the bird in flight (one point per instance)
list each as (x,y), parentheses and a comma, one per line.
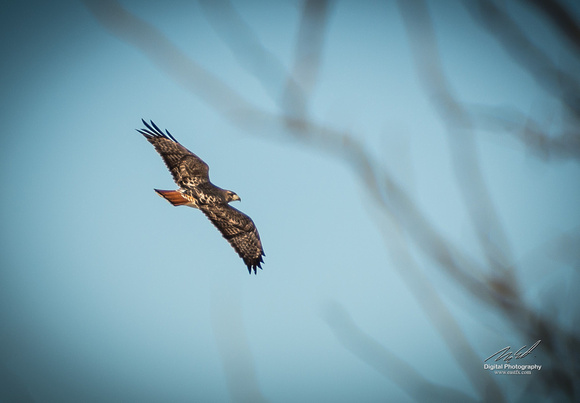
(195,190)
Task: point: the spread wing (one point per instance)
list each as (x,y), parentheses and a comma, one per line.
(188,169)
(239,230)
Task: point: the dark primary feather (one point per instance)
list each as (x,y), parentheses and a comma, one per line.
(188,169)
(240,232)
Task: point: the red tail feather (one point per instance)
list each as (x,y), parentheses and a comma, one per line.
(173,196)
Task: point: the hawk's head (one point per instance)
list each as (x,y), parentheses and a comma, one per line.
(231,196)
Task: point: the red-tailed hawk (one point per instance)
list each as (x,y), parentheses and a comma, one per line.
(195,190)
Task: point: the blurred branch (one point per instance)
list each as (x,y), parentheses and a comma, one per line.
(233,345)
(310,42)
(536,62)
(245,45)
(386,362)
(561,18)
(263,64)
(563,248)
(307,56)
(528,131)
(523,51)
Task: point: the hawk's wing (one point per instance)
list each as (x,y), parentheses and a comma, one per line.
(239,230)
(188,169)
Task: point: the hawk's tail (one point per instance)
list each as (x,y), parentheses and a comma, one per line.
(173,196)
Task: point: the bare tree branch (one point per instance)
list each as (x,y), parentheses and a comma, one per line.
(561,18)
(307,56)
(530,57)
(246,46)
(528,130)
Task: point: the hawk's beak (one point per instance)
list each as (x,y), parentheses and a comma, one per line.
(236,197)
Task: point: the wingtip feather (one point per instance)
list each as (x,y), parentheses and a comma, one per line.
(152,130)
(170,136)
(254,266)
(148,126)
(157,129)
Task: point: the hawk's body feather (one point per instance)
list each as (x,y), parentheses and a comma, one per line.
(196,190)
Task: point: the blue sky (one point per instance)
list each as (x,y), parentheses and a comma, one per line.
(111,294)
